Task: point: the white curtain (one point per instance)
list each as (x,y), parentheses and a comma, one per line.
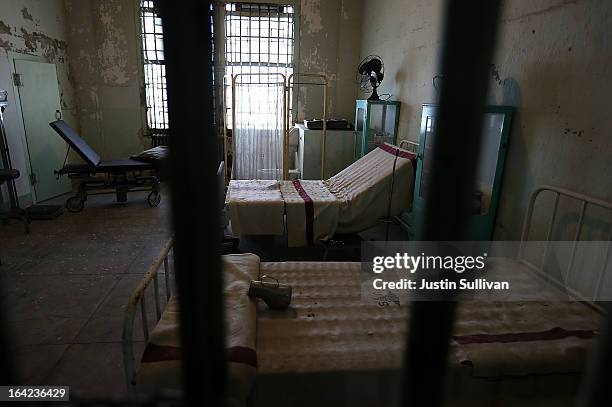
(258,129)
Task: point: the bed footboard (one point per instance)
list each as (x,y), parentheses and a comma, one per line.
(138,299)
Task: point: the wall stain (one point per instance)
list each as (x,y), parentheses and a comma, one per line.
(577,133)
(311,12)
(51,48)
(26,14)
(542,11)
(4,28)
(495,75)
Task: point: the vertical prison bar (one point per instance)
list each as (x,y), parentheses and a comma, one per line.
(468,44)
(193,166)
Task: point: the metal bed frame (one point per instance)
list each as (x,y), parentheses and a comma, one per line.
(138,297)
(409,145)
(236,82)
(152,275)
(288,86)
(584,201)
(303,80)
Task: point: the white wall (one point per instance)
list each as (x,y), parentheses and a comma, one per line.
(553,63)
(33,27)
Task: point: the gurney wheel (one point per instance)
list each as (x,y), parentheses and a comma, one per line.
(154,199)
(75,204)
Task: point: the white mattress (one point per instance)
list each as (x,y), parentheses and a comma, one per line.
(332,348)
(331,337)
(363,188)
(331,328)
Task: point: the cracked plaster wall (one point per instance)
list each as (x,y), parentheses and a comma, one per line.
(329,44)
(37,28)
(105,60)
(553,63)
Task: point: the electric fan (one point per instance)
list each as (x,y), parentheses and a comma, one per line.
(370,74)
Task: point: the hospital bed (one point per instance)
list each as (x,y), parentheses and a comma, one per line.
(332,346)
(119,176)
(378,185)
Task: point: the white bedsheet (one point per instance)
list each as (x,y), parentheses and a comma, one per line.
(256,207)
(363,188)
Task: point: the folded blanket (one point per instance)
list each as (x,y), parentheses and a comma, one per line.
(161,361)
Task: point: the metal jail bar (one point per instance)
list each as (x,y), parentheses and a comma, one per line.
(468,44)
(193,163)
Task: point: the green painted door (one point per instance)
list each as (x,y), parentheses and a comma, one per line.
(39,97)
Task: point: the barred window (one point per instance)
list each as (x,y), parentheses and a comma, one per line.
(259,38)
(154,67)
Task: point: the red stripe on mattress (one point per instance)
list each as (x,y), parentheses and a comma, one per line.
(159,353)
(550,335)
(309,207)
(400,153)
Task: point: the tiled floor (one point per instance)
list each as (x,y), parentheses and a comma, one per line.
(65,287)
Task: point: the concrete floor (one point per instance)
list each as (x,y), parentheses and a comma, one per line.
(66,284)
(65,287)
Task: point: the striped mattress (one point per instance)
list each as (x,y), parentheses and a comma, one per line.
(332,336)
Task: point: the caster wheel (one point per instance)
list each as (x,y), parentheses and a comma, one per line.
(154,199)
(75,204)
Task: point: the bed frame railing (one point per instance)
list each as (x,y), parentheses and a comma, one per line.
(138,297)
(584,201)
(411,146)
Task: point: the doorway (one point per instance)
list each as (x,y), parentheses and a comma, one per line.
(39,102)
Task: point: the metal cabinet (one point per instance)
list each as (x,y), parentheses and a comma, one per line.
(338,152)
(376,122)
(487,188)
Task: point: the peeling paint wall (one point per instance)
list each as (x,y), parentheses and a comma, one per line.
(38,28)
(553,63)
(105,59)
(329,43)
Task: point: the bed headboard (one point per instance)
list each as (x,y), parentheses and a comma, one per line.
(584,202)
(411,146)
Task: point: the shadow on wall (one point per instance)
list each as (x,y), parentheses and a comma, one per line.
(403,76)
(517,176)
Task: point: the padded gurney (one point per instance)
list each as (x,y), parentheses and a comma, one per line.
(351,201)
(122,175)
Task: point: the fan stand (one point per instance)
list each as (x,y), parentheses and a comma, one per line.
(374,95)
